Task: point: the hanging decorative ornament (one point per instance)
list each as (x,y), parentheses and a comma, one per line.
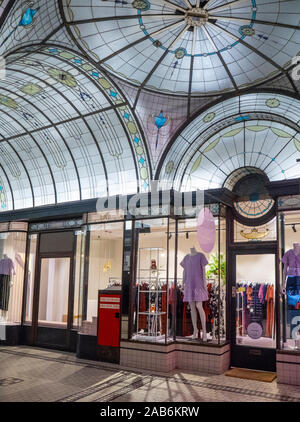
(206,230)
(159,121)
(254,234)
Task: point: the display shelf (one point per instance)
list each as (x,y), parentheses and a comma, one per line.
(151,295)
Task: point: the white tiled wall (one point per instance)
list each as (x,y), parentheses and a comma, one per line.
(288,368)
(160,358)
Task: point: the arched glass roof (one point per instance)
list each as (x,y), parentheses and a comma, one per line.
(80,71)
(67,132)
(188,46)
(254,130)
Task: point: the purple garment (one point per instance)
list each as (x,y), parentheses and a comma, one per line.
(261,293)
(7,266)
(292,261)
(194,289)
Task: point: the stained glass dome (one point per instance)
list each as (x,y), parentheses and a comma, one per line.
(188,46)
(246,132)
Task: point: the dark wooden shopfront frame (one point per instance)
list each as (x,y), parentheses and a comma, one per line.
(33,337)
(241,355)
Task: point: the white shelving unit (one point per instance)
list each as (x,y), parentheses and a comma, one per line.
(155,278)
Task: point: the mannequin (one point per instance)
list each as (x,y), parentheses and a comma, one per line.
(6,269)
(195,289)
(291,266)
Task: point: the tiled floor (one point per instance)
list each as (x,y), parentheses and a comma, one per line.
(32,374)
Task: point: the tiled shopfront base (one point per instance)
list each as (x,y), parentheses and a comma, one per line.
(288,368)
(165,358)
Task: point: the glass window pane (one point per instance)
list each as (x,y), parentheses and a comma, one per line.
(12,263)
(255,313)
(104,269)
(30,277)
(290,279)
(150,294)
(54,291)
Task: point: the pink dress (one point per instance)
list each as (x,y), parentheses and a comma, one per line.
(194,290)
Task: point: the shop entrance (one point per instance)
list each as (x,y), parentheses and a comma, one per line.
(253,309)
(53,304)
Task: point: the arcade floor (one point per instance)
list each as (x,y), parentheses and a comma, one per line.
(39,375)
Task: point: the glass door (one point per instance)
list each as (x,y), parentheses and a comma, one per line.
(54,292)
(254,327)
(54,316)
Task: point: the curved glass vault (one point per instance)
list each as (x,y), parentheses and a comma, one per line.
(253,130)
(99,95)
(67,132)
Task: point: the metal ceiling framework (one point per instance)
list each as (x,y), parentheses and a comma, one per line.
(67,130)
(202,135)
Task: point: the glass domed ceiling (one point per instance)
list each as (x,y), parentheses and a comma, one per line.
(188,46)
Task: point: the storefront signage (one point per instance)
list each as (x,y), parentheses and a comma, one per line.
(254,330)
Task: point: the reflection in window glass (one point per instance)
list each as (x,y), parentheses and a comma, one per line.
(104,269)
(30,277)
(12,264)
(78,268)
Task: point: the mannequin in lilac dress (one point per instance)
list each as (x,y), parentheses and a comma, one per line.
(195,290)
(291,269)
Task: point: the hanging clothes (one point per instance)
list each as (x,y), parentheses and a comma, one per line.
(143,307)
(270,310)
(256,310)
(4,291)
(164,309)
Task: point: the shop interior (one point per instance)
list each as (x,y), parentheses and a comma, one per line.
(160,313)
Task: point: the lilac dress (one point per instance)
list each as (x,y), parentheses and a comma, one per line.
(194,290)
(293,262)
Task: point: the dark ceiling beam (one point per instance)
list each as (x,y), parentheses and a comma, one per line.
(261,22)
(9,186)
(29,134)
(123,17)
(56,128)
(228,5)
(134,43)
(160,60)
(221,59)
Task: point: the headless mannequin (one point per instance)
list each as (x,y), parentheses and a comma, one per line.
(198,306)
(3,313)
(296,248)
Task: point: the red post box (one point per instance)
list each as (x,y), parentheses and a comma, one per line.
(109,325)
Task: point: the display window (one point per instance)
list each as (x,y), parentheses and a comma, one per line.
(289,228)
(200,311)
(102,269)
(12,265)
(178,292)
(255,300)
(151,316)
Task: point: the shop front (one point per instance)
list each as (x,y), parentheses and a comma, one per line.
(51,291)
(79,284)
